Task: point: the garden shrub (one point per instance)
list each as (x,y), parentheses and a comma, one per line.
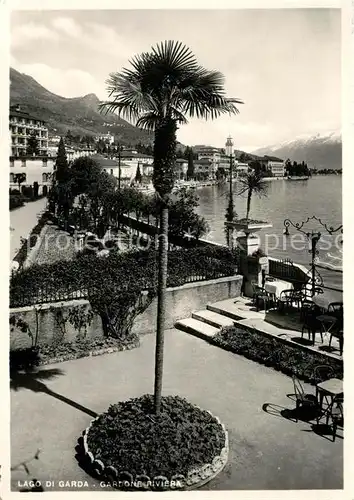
(272,352)
(27,191)
(15,201)
(132,438)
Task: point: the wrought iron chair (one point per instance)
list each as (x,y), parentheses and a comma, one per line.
(337,415)
(306,304)
(285,299)
(260,295)
(311,324)
(307,402)
(338,334)
(336,309)
(322,373)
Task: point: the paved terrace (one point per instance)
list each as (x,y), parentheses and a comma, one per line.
(240,312)
(267,451)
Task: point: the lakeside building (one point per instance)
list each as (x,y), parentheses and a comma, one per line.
(35,168)
(275,165)
(181,167)
(211,154)
(204,169)
(111,166)
(72,153)
(106,138)
(224,163)
(22,126)
(133,156)
(241,168)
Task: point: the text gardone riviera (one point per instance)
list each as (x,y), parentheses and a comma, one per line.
(162,483)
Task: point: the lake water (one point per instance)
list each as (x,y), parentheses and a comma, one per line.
(320,196)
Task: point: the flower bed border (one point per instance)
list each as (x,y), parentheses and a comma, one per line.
(218,341)
(93,352)
(69,356)
(196,477)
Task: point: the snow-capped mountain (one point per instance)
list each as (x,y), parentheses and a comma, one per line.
(322,150)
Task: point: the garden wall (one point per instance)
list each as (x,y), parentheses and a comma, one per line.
(180,303)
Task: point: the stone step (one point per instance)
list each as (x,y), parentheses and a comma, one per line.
(197,328)
(212,318)
(234,309)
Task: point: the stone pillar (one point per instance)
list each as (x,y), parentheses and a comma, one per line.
(248,243)
(250,266)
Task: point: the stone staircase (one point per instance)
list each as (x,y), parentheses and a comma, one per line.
(209,321)
(240,312)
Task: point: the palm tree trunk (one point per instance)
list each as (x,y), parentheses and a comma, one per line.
(163,179)
(161,306)
(249,196)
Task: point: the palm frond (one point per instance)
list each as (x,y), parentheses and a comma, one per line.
(174,55)
(254,181)
(204,95)
(124,109)
(167,81)
(148,121)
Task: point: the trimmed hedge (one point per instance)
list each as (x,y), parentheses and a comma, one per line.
(291,360)
(38,282)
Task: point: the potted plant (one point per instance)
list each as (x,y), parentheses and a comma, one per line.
(252,183)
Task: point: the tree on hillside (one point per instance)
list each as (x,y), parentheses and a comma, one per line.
(243,157)
(158,92)
(32,145)
(84,171)
(190,170)
(62,189)
(138,176)
(69,137)
(101,147)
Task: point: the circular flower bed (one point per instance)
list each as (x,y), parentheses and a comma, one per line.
(132,448)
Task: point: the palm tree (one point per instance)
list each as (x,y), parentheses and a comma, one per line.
(19,179)
(253,183)
(162,88)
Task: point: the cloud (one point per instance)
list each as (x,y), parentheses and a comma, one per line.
(70,82)
(108,41)
(67,26)
(31,32)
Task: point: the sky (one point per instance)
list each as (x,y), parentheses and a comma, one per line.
(285,64)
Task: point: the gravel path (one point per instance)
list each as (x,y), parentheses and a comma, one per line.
(22,221)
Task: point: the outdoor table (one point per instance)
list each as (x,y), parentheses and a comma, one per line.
(276,287)
(328,391)
(327,322)
(323,300)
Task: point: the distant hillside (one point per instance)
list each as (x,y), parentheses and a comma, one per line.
(79,114)
(318,151)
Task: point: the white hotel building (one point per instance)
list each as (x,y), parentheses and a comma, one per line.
(21,126)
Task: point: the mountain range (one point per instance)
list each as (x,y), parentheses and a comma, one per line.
(80,115)
(320,151)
